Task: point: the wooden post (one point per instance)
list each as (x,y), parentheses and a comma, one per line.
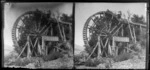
(134,34)
(127,48)
(63,34)
(39,48)
(29,50)
(51,31)
(130,30)
(113,46)
(116,50)
(102,43)
(99,47)
(43,46)
(109,49)
(106,42)
(140,28)
(122,32)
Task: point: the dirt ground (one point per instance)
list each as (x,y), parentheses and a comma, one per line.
(64,62)
(133,63)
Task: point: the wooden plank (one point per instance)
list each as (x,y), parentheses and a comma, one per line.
(47,38)
(121,39)
(50,38)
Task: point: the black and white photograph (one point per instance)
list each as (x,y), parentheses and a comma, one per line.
(110,35)
(38,35)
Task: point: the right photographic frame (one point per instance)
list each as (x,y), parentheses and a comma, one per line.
(111,36)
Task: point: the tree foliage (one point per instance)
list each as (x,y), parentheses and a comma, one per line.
(137,19)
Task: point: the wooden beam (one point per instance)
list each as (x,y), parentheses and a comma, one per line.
(60,31)
(31,45)
(43,46)
(92,51)
(42,28)
(143,25)
(68,23)
(60,49)
(22,50)
(117,29)
(110,23)
(36,41)
(106,42)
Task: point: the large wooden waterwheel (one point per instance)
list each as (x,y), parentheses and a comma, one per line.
(99,30)
(31,26)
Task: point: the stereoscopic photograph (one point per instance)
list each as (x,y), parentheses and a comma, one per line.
(38,35)
(74,35)
(110,35)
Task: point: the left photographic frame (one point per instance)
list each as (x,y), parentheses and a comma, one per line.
(38,35)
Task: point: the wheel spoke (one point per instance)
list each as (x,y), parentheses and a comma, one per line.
(115,27)
(42,28)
